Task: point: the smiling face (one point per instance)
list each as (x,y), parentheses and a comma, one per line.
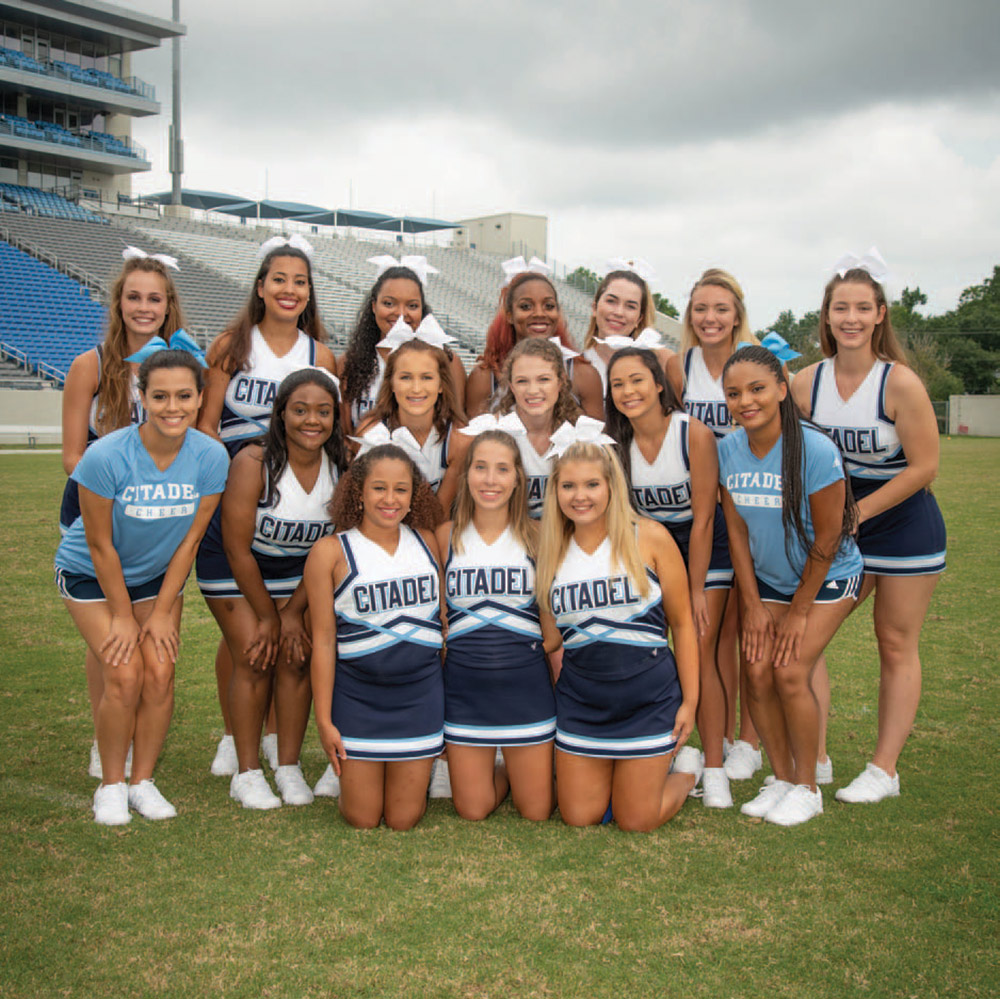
(714,315)
(416,382)
(387,493)
(284,290)
(492,475)
(619,309)
(534,309)
(754,395)
(853,315)
(633,390)
(144,303)
(534,382)
(309,417)
(171,401)
(398,297)
(583,492)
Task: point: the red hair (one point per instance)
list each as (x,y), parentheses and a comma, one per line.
(500,337)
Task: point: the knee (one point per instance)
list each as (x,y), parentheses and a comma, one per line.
(790,681)
(895,646)
(124,685)
(158,682)
(577,814)
(403,819)
(760,679)
(537,810)
(473,809)
(635,821)
(359,818)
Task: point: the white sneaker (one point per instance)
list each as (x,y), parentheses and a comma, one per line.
(252,790)
(440,786)
(292,785)
(95,769)
(768,796)
(328,786)
(799,805)
(871,785)
(111,805)
(688,760)
(225,763)
(743,761)
(824,771)
(269,747)
(715,788)
(146,799)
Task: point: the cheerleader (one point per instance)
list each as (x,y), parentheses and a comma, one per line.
(146,495)
(277,332)
(418,395)
(497,687)
(790,518)
(275,508)
(715,324)
(398,293)
(670,461)
(529,308)
(536,388)
(609,584)
(101,393)
(877,410)
(373,594)
(623,311)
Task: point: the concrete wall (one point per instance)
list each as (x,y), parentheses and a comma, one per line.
(978,415)
(34,413)
(509,234)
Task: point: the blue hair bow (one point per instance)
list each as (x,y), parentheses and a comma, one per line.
(778,346)
(180,340)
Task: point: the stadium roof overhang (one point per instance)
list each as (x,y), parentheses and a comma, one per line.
(357,219)
(106,23)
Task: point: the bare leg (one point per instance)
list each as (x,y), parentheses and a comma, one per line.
(727,657)
(711,714)
(477,784)
(821,691)
(223,677)
(529,769)
(646,794)
(95,683)
(406,792)
(583,787)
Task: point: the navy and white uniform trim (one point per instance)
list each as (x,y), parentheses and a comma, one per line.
(703,396)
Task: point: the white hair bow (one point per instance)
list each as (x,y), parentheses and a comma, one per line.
(649,338)
(429,331)
(871,262)
(639,267)
(586,431)
(518,265)
(133,252)
(511,424)
(296,242)
(567,353)
(380,434)
(417,264)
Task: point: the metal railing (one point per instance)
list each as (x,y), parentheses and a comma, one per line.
(78,274)
(23,129)
(136,87)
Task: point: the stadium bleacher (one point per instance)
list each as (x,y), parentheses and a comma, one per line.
(14,197)
(89,77)
(47,131)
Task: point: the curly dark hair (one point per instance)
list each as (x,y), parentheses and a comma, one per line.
(346,508)
(275,447)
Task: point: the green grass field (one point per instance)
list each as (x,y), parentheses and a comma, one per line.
(898,899)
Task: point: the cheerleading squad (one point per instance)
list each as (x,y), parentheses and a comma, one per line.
(540,528)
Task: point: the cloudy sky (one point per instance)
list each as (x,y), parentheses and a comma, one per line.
(765,137)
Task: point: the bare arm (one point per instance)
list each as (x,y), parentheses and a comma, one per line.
(587,388)
(704,499)
(82,380)
(458,444)
(802,385)
(478,389)
(675,375)
(216,383)
(458,378)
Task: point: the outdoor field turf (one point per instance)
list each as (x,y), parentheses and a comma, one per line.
(896,899)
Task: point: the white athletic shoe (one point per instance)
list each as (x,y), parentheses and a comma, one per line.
(688,760)
(328,786)
(292,785)
(146,799)
(252,790)
(111,805)
(871,785)
(743,761)
(824,771)
(269,747)
(799,805)
(440,786)
(715,788)
(225,763)
(768,796)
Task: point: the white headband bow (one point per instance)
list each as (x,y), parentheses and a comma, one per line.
(380,434)
(296,242)
(648,338)
(417,264)
(511,424)
(567,353)
(133,252)
(518,265)
(586,431)
(871,262)
(429,331)
(639,267)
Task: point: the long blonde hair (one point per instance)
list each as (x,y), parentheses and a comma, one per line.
(114,390)
(719,278)
(521,525)
(557,528)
